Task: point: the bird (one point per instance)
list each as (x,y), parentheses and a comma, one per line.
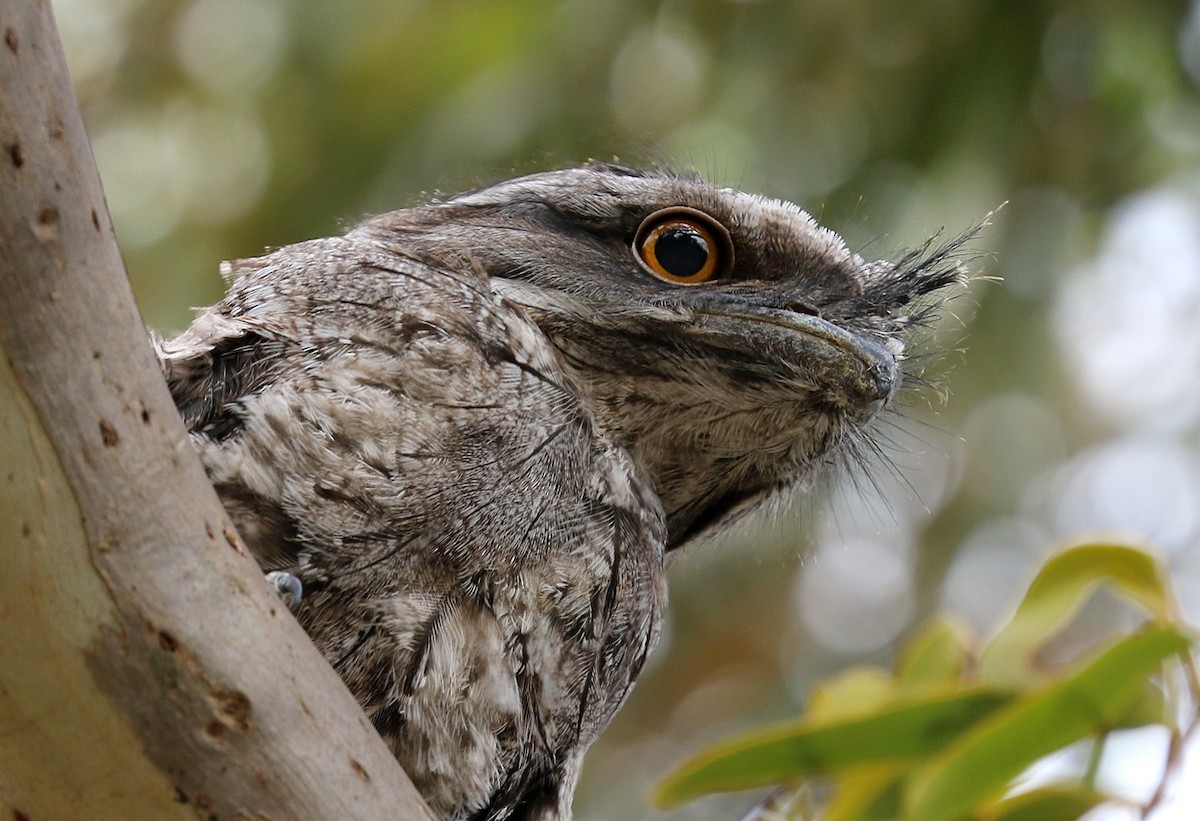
(474,431)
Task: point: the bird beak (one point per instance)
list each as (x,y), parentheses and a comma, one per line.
(859,374)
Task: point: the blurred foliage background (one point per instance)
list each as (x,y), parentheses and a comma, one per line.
(1071,387)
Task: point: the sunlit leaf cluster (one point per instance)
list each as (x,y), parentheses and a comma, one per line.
(946,734)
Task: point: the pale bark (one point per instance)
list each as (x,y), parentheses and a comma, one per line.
(146,671)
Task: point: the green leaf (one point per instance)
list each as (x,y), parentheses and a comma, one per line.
(939,652)
(865,792)
(1058,592)
(1148,707)
(855,692)
(980,763)
(908,728)
(1066,801)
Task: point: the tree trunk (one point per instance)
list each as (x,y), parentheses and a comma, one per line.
(146,671)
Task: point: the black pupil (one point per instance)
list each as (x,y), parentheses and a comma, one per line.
(681,251)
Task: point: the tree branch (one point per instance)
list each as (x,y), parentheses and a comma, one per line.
(145,669)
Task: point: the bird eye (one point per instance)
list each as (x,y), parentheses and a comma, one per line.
(683,245)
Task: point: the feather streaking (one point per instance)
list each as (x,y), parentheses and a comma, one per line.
(474,429)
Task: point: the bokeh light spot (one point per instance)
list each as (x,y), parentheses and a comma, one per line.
(856,596)
(231,47)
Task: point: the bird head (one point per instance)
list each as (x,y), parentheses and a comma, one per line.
(729,342)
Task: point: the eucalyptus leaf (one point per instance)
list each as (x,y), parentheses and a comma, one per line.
(906,729)
(1066,801)
(1057,593)
(866,792)
(981,763)
(939,652)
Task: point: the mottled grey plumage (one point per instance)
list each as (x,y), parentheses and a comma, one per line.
(474,429)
